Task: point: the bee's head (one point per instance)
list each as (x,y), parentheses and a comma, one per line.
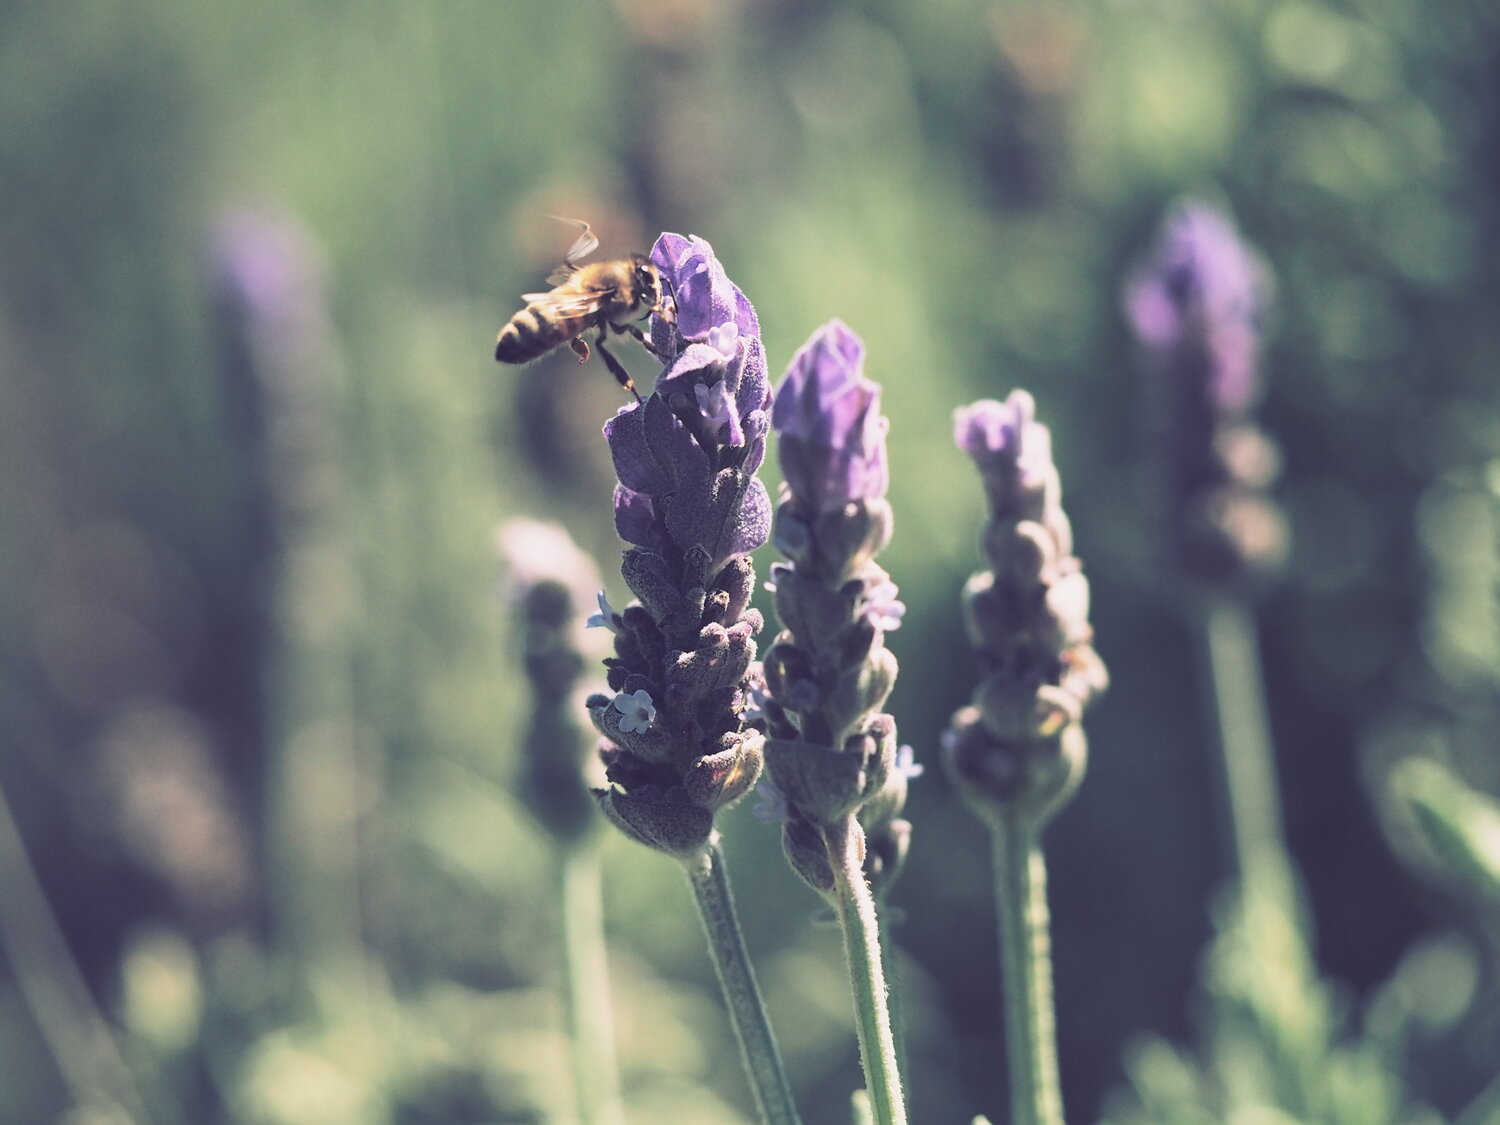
(648,282)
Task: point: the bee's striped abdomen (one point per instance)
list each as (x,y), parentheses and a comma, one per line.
(529,334)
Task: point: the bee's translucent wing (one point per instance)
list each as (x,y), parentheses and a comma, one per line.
(587,243)
(568,303)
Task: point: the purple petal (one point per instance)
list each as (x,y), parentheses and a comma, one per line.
(635,463)
(635,518)
(704,295)
(827,417)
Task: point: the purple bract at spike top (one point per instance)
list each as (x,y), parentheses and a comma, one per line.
(1013,452)
(830,432)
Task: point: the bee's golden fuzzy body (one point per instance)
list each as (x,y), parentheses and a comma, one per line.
(597,294)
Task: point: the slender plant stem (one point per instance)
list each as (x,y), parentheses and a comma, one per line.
(891,967)
(80,1038)
(586,974)
(856,910)
(1026,976)
(747,1012)
(1249,763)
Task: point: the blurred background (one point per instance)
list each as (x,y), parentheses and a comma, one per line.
(259,697)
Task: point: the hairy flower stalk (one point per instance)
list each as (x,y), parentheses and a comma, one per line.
(1196,306)
(548,581)
(831,753)
(1018,752)
(676,745)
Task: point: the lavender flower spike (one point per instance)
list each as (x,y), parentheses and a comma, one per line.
(1196,305)
(1019,750)
(548,579)
(676,747)
(830,751)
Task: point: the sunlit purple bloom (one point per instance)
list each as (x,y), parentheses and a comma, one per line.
(676,742)
(830,432)
(705,298)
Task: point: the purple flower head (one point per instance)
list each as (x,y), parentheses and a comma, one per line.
(830,432)
(1196,307)
(1199,298)
(268,281)
(1012,450)
(676,744)
(706,299)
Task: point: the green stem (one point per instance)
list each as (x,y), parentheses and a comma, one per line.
(856,910)
(80,1038)
(893,990)
(586,976)
(747,1012)
(1248,761)
(1026,976)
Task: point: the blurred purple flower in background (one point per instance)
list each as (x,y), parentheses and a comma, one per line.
(1196,305)
(676,747)
(1203,284)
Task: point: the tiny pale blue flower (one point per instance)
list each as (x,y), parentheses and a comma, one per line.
(637,711)
(605,618)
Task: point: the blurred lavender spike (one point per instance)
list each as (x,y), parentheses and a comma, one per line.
(1196,305)
(548,581)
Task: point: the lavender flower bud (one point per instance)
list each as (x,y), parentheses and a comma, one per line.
(830,751)
(548,581)
(675,743)
(1196,306)
(1019,750)
(830,434)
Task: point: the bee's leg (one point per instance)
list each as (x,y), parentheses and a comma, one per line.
(621,375)
(639,335)
(580,348)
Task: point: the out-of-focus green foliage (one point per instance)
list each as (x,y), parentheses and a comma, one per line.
(263,765)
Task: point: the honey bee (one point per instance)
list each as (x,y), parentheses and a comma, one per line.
(606,295)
